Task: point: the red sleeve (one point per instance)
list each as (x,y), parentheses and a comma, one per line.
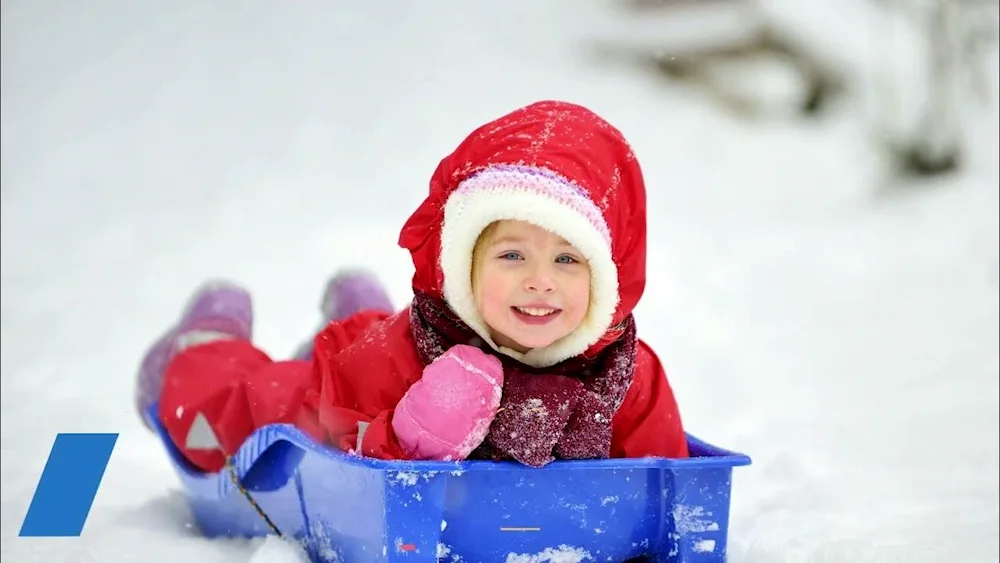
(357,381)
(648,424)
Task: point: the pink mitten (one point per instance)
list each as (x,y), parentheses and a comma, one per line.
(447,413)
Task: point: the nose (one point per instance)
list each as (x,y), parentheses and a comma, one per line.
(540,281)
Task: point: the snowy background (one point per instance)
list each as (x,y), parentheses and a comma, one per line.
(839,328)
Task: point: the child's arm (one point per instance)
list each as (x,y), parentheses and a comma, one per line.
(356,383)
(376,398)
(648,424)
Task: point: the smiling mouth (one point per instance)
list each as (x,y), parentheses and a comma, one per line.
(536,311)
(535,315)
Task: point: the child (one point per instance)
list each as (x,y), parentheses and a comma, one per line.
(519,343)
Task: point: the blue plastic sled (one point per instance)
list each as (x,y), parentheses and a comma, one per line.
(349,509)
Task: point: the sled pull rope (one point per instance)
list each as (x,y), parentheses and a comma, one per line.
(243,490)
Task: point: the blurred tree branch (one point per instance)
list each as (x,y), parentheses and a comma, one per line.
(698,61)
(957,33)
(823,84)
(952,37)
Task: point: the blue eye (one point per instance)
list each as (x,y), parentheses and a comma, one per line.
(510,256)
(564,259)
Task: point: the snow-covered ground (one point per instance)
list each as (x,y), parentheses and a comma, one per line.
(843,334)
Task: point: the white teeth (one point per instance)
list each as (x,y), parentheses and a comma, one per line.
(535,312)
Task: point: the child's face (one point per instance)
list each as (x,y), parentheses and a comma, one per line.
(531,286)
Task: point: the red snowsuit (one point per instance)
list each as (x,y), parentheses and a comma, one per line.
(358,374)
(362,366)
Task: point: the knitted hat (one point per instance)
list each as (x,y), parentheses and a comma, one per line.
(553,164)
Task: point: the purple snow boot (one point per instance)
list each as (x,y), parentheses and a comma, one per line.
(217,310)
(348,292)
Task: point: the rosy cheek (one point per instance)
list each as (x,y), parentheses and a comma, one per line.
(581,295)
(492,297)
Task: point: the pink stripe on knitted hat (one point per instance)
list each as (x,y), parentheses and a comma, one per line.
(541,181)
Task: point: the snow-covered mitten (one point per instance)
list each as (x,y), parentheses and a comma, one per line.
(533,415)
(588,432)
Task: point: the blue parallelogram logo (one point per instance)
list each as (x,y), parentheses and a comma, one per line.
(68,485)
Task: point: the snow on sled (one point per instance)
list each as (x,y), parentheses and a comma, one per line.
(345,508)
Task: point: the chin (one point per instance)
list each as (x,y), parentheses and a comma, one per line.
(534,343)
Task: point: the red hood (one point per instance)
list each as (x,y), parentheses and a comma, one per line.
(565,139)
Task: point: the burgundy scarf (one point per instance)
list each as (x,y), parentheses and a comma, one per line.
(560,412)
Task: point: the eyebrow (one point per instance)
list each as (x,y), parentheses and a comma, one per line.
(508,239)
